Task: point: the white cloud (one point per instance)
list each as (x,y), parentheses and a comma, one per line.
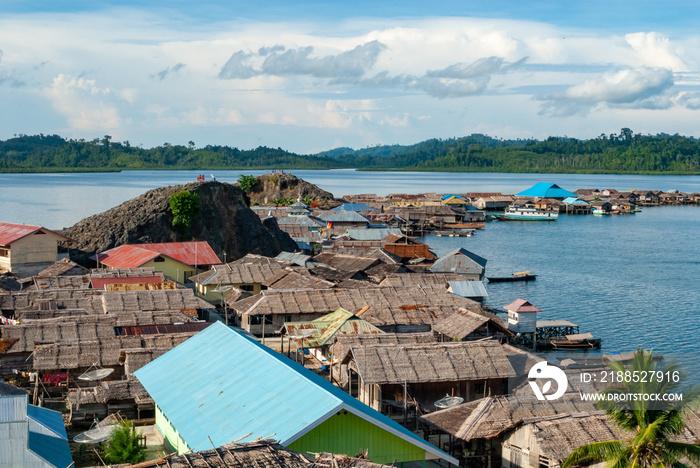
(640,87)
(654,50)
(409,78)
(83,103)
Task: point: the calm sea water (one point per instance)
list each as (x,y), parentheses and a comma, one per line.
(631,280)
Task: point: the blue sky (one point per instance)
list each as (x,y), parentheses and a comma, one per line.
(310,76)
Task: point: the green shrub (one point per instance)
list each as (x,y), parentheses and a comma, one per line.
(184,206)
(247,182)
(124,445)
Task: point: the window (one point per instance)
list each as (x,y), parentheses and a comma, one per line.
(4,252)
(247,287)
(158,260)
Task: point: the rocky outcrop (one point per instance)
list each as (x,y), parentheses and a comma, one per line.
(280,185)
(225,221)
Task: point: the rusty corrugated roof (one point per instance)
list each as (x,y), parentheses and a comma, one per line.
(12,232)
(326,327)
(134,255)
(99,283)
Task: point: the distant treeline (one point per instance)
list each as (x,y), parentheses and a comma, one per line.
(625,152)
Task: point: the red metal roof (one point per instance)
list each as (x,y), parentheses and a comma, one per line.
(521,305)
(99,283)
(134,255)
(11,232)
(126,256)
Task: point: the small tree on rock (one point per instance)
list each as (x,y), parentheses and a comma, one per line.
(185,206)
(247,182)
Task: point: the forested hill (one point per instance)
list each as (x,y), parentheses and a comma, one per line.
(623,153)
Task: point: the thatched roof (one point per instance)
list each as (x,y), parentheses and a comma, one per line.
(67,355)
(344,343)
(135,359)
(387,306)
(347,262)
(464,322)
(290,279)
(63,267)
(436,362)
(53,330)
(490,416)
(62,282)
(238,273)
(87,299)
(409,280)
(368,252)
(265,453)
(109,391)
(24,315)
(178,299)
(260,453)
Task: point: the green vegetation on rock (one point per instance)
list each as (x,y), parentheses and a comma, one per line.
(184,205)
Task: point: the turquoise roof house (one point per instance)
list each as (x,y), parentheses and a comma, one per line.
(220,386)
(544,190)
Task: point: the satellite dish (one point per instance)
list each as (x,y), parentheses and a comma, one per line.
(222,289)
(96,374)
(448,402)
(94,436)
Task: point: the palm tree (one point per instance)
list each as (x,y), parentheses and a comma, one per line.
(653,424)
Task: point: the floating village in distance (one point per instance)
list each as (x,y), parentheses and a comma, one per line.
(358,348)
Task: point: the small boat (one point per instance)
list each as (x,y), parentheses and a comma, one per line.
(580,341)
(526,214)
(519,276)
(599,211)
(457,233)
(464,225)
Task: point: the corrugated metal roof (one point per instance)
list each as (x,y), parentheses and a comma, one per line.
(459,261)
(214,401)
(353,207)
(371,234)
(573,201)
(126,256)
(521,305)
(344,217)
(326,327)
(12,232)
(47,436)
(135,255)
(468,288)
(545,190)
(99,283)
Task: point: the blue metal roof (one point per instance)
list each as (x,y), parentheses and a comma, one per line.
(468,288)
(545,190)
(353,207)
(573,201)
(47,436)
(223,385)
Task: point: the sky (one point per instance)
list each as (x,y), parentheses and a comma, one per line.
(309,76)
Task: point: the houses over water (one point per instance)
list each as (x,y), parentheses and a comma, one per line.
(350,346)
